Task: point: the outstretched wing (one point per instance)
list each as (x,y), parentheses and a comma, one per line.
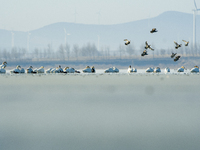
(152,49)
(146,43)
(125,40)
(176,43)
(184,41)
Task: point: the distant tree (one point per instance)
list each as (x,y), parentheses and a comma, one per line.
(6,55)
(107,51)
(130,50)
(67,50)
(49,51)
(121,50)
(162,52)
(36,53)
(61,52)
(76,50)
(14,54)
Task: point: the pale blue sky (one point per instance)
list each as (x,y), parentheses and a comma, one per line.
(24,15)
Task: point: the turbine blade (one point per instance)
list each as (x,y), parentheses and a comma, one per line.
(195,4)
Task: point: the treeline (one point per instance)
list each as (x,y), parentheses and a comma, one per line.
(90,52)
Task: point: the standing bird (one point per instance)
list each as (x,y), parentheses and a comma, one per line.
(186,42)
(144,53)
(3,65)
(173,54)
(177,45)
(127,41)
(177,58)
(148,46)
(153,30)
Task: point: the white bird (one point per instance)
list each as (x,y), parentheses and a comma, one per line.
(112,70)
(195,69)
(55,70)
(186,42)
(18,69)
(149,69)
(2,67)
(68,70)
(40,70)
(157,70)
(58,70)
(131,70)
(29,70)
(127,41)
(148,46)
(181,69)
(87,69)
(167,70)
(48,70)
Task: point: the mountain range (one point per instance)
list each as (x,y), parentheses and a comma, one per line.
(172,26)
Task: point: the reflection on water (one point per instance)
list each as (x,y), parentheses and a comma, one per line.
(153,112)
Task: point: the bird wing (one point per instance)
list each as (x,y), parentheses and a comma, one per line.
(176,43)
(125,40)
(154,29)
(146,43)
(184,41)
(152,49)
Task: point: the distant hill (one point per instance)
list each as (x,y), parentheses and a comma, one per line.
(171,26)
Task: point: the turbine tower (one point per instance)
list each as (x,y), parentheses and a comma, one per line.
(194,24)
(75,13)
(99,15)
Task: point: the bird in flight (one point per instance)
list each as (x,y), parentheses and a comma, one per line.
(127,41)
(153,30)
(186,42)
(177,45)
(148,46)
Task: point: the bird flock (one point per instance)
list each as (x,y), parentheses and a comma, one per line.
(147,46)
(87,69)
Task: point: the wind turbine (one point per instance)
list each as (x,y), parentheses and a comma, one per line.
(75,13)
(99,15)
(194,24)
(13,42)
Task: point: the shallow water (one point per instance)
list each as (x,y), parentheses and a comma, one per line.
(100,111)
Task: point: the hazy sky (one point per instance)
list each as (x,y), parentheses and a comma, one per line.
(27,15)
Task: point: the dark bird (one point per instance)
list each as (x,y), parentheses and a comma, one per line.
(173,54)
(153,30)
(148,46)
(177,45)
(186,42)
(127,41)
(144,53)
(177,58)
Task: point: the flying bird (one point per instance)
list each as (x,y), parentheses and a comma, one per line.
(177,45)
(186,42)
(127,41)
(153,30)
(144,53)
(173,54)
(148,46)
(177,58)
